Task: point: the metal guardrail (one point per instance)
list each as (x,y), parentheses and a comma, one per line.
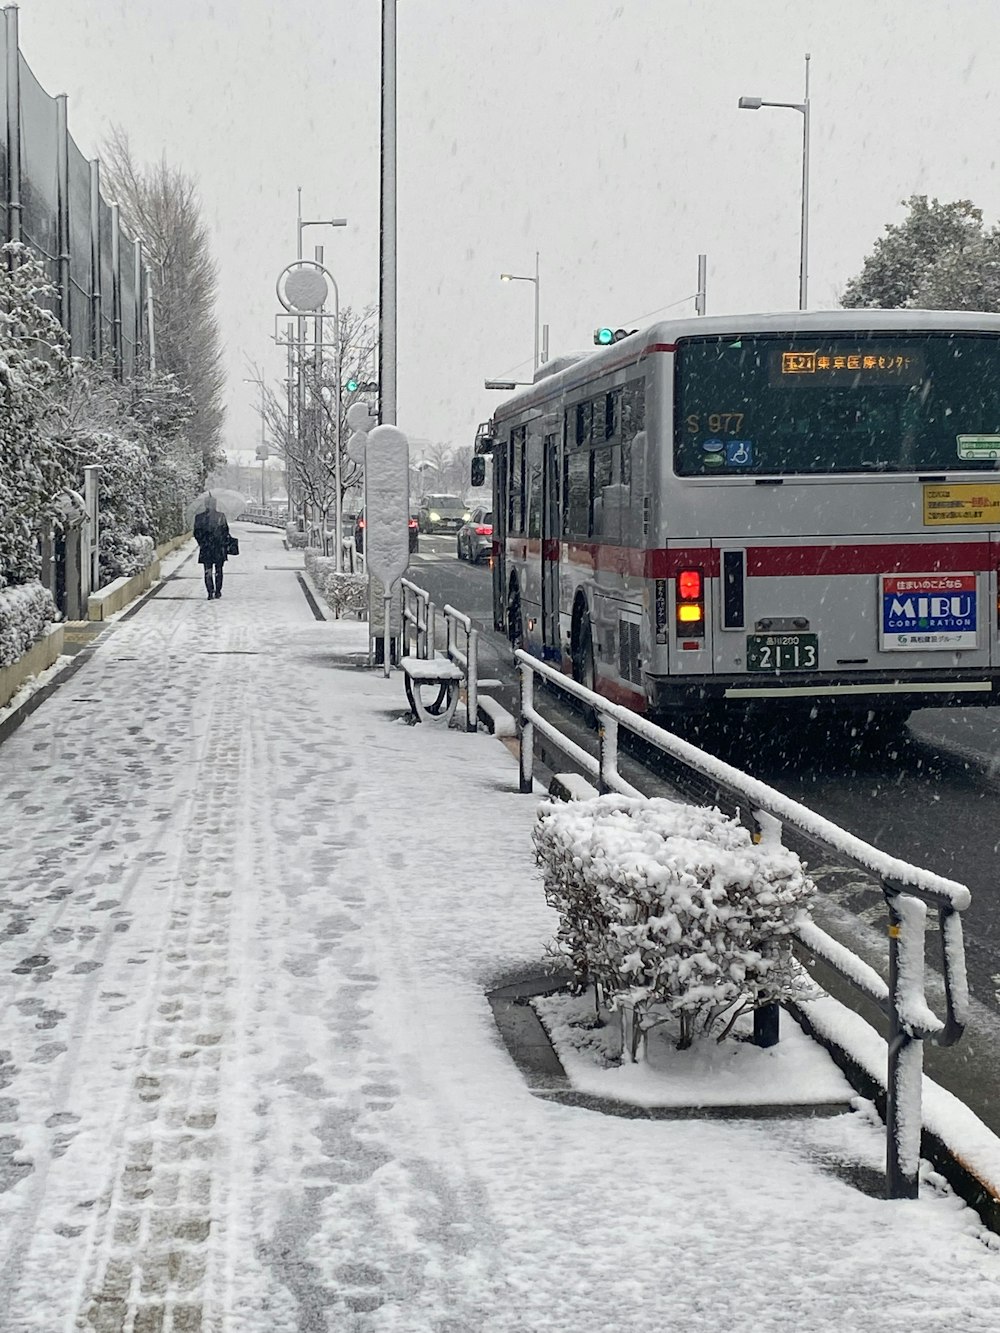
(418,617)
(420,622)
(909,890)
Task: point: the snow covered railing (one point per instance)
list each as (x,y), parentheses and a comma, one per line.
(457,622)
(909,890)
(418,617)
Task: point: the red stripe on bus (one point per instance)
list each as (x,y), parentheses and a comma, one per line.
(787,561)
(659,347)
(874,558)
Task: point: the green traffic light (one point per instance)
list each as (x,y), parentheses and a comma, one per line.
(352,386)
(604,337)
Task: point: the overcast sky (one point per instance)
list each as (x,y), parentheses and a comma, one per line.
(603,133)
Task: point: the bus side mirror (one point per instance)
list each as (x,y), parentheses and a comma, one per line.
(478,471)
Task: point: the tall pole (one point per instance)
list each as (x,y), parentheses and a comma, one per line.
(263,444)
(300,348)
(13,124)
(700,299)
(537,304)
(804,255)
(387,223)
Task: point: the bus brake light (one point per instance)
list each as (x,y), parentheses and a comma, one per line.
(689,585)
(690,602)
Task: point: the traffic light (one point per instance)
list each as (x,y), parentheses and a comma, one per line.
(352,385)
(605,337)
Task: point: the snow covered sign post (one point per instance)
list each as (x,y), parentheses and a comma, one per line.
(387,508)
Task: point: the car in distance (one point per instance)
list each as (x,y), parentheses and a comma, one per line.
(475,538)
(359,533)
(442,513)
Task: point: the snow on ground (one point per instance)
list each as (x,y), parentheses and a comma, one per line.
(249,1080)
(796,1072)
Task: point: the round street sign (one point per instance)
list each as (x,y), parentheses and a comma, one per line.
(306,288)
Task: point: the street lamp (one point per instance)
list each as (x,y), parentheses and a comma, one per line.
(262,449)
(754,104)
(518,277)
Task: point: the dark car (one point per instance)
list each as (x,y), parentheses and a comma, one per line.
(442,513)
(359,532)
(475,538)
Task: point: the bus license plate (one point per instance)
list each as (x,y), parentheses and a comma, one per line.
(782,652)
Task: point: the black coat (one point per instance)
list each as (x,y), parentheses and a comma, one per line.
(211,532)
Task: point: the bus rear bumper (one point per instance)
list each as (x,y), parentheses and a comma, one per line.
(874,691)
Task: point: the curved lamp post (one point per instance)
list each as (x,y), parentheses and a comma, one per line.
(754,104)
(517,277)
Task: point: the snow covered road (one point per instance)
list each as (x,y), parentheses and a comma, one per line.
(249,1079)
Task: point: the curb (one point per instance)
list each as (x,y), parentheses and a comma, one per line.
(966,1183)
(531,1049)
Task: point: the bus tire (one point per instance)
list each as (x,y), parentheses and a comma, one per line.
(515,619)
(584,669)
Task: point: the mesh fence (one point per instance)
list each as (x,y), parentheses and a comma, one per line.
(40,199)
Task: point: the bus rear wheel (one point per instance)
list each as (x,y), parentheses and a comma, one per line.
(584,671)
(515,619)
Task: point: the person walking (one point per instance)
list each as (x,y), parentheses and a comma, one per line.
(211,532)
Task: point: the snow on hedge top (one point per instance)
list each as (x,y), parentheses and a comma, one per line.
(25,611)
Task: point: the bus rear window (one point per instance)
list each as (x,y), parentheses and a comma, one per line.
(867,402)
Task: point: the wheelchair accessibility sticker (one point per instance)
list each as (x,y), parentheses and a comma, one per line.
(924,612)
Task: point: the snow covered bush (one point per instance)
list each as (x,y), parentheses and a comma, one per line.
(25,612)
(36,464)
(671,909)
(343,592)
(296,540)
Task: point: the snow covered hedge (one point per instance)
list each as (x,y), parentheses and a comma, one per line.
(296,540)
(341,591)
(671,909)
(25,612)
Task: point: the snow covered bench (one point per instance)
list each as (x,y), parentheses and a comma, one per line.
(433,673)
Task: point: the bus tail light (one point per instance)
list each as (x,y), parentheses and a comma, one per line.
(691,603)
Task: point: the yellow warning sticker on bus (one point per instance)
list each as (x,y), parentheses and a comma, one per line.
(977,503)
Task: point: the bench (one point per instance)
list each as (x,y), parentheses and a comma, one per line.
(434,673)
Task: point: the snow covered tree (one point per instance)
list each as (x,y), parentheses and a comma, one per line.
(938,258)
(135,431)
(36,461)
(160,204)
(309,454)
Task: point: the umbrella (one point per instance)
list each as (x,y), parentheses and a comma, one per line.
(230,503)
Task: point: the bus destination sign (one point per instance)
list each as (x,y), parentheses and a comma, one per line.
(842,365)
(974,503)
(926,612)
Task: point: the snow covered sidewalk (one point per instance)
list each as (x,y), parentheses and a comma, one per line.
(249,1078)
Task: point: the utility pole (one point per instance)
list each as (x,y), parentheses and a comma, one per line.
(387,223)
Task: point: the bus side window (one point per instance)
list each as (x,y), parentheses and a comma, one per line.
(607,498)
(515,494)
(534,485)
(576,494)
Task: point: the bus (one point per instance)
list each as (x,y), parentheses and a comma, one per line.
(780,511)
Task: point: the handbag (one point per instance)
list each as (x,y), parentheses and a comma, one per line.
(233,546)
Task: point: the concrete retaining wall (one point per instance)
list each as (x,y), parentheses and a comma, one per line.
(39,657)
(117,594)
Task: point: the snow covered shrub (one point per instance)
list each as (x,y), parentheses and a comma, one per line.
(671,909)
(341,591)
(296,540)
(25,611)
(35,463)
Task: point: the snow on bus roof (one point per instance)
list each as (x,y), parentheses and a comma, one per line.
(555,374)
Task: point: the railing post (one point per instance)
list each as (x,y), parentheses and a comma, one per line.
(472,681)
(527,727)
(430,630)
(902,1113)
(607,742)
